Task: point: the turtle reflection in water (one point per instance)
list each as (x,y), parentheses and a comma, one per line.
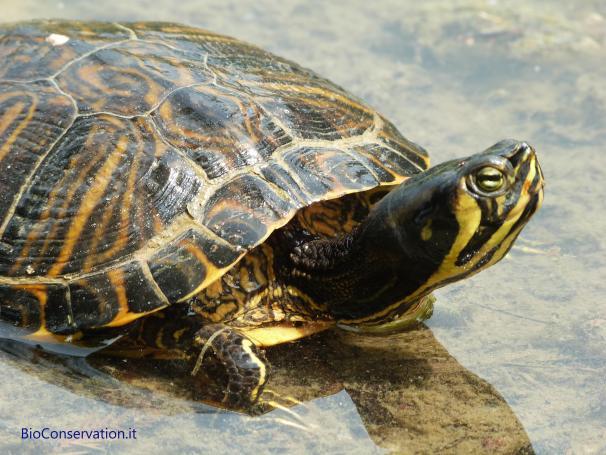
(227,199)
(423,401)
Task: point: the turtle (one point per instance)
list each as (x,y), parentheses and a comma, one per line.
(221,199)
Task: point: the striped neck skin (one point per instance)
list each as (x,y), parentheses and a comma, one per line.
(438,227)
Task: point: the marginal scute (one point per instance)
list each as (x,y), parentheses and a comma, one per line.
(391,137)
(280,177)
(220,130)
(247,219)
(170,32)
(187,262)
(28,50)
(107,297)
(326,171)
(57,311)
(131,78)
(36,305)
(94,301)
(386,163)
(21,307)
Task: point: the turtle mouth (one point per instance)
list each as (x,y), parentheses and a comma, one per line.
(534,187)
(526,166)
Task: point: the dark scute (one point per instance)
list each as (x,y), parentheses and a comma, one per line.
(20,308)
(26,52)
(324,170)
(219,129)
(148,187)
(131,78)
(241,211)
(384,162)
(412,151)
(280,177)
(42,115)
(57,311)
(312,116)
(171,184)
(178,269)
(140,292)
(94,301)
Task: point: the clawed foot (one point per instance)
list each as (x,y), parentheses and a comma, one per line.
(244,363)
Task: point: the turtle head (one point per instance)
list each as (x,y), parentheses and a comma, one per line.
(437,227)
(462,216)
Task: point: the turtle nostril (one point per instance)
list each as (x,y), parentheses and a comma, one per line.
(522,153)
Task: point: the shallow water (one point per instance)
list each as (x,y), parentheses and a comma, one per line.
(454,77)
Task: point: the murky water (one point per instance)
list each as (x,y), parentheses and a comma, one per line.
(455,77)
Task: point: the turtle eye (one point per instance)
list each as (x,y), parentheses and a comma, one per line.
(489,179)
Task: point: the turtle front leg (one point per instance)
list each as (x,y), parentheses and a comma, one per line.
(245,364)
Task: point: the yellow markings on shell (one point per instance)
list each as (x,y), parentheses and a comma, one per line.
(247,346)
(426,232)
(99,230)
(12,113)
(283,333)
(88,205)
(43,335)
(7,119)
(212,272)
(127,202)
(243,109)
(39,292)
(124,315)
(116,278)
(50,203)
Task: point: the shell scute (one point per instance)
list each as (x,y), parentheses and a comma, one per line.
(39,49)
(218,129)
(108,188)
(190,262)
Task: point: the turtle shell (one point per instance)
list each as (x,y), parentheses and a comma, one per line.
(139,162)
